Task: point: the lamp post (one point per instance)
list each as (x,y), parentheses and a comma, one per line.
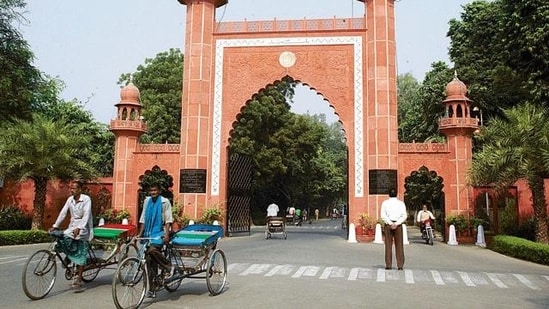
(477,109)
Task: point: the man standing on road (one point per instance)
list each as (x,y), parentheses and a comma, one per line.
(393,214)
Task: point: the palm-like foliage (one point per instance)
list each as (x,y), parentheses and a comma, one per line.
(43,150)
(516,147)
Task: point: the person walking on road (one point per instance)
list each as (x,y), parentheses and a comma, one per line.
(393,214)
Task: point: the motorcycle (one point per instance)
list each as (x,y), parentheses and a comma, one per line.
(428,233)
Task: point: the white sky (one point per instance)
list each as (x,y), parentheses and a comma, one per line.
(89,44)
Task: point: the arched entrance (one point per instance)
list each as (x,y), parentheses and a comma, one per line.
(350,62)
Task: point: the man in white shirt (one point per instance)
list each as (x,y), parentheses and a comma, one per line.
(424,216)
(272,210)
(393,214)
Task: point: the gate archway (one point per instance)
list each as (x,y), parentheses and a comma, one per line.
(351,62)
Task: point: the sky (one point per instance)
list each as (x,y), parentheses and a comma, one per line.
(89,44)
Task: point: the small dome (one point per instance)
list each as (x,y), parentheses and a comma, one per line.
(456,90)
(130,94)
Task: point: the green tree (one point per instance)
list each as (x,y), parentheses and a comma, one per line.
(43,150)
(19,79)
(100,150)
(500,51)
(160,82)
(409,108)
(517,147)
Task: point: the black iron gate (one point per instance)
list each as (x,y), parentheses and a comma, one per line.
(239,193)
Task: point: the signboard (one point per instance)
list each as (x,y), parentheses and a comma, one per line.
(381,181)
(192,181)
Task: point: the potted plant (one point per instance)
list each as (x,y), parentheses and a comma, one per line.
(180,219)
(211,214)
(459,222)
(366,224)
(122,215)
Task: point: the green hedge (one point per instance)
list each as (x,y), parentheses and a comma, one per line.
(18,237)
(521,248)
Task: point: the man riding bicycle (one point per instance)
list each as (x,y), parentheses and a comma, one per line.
(424,216)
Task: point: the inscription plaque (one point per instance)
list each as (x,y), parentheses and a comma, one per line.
(192,181)
(381,181)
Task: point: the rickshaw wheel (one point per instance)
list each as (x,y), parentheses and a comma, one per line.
(173,285)
(88,275)
(216,272)
(39,274)
(129,283)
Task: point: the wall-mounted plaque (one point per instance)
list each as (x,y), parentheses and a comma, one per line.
(192,181)
(381,181)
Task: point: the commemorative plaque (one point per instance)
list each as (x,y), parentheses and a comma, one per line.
(192,181)
(381,181)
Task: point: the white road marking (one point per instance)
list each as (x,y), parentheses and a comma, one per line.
(353,274)
(526,282)
(466,279)
(326,273)
(437,278)
(494,278)
(380,275)
(409,276)
(256,269)
(309,271)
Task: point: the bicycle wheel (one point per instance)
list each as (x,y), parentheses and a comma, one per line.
(430,236)
(128,250)
(129,283)
(216,273)
(175,258)
(39,274)
(88,275)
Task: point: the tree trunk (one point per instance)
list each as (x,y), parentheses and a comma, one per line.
(540,209)
(39,203)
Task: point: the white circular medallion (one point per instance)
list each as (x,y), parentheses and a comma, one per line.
(287,59)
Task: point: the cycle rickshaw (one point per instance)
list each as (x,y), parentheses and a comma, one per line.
(275,226)
(192,250)
(111,244)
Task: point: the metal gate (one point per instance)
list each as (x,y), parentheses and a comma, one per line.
(239,193)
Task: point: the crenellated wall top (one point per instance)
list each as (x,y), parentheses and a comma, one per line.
(422,147)
(297,25)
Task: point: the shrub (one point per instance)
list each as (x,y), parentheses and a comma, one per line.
(13,218)
(459,221)
(211,214)
(23,237)
(521,248)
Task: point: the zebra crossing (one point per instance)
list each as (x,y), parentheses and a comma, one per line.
(380,275)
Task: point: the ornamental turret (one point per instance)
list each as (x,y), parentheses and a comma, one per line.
(457,110)
(128,115)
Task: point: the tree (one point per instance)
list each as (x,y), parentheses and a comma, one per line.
(500,51)
(100,150)
(160,82)
(516,147)
(43,150)
(19,79)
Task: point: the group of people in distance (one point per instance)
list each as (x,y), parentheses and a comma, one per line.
(296,215)
(155,223)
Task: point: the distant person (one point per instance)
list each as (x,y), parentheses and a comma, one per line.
(393,214)
(79,232)
(317,214)
(298,216)
(272,210)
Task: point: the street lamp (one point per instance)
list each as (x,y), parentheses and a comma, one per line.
(477,109)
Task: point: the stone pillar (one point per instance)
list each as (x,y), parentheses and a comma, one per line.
(197,109)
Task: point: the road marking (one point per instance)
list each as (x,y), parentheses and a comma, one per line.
(280,269)
(380,275)
(13,261)
(546,277)
(309,271)
(526,282)
(353,274)
(326,273)
(466,279)
(496,280)
(437,277)
(409,276)
(256,269)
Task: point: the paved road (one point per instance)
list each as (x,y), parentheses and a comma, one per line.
(315,267)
